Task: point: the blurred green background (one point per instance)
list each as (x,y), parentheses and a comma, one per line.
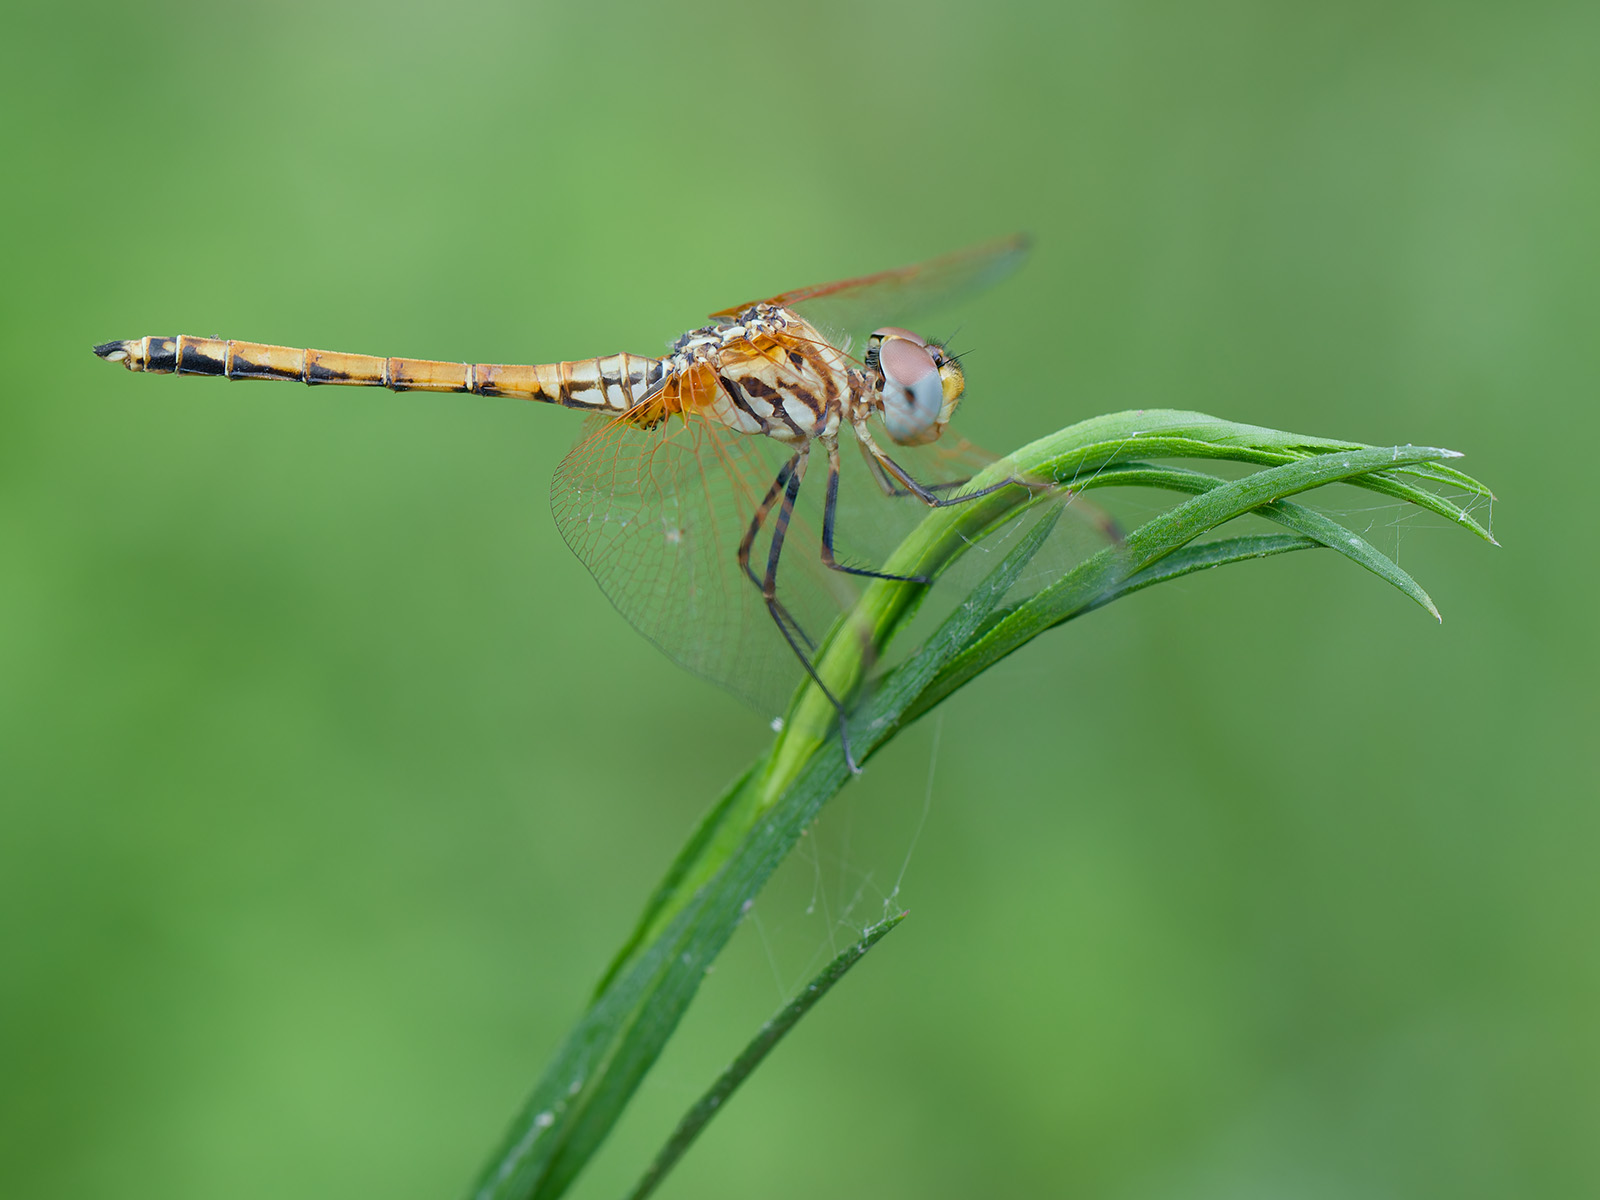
(330,781)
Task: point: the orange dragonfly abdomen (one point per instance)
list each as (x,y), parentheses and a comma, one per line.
(612,383)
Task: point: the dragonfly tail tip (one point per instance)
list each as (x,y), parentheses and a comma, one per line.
(112,351)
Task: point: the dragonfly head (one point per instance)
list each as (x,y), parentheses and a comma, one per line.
(921,384)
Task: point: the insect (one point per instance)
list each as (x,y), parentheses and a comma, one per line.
(692,462)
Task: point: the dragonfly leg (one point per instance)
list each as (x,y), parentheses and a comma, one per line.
(788,483)
(894,491)
(930,495)
(774,605)
(882,465)
(829,510)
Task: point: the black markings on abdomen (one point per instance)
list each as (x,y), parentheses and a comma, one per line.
(162,355)
(194,360)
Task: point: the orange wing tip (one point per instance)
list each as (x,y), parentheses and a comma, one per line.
(113,351)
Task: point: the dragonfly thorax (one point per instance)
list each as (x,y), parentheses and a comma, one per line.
(766,371)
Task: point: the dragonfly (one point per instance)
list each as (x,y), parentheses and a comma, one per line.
(682,493)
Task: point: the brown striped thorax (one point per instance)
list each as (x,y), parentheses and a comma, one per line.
(773,375)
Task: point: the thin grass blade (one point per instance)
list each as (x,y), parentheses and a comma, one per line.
(1208,555)
(708,1106)
(1302,520)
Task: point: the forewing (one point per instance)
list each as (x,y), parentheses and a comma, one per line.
(657,516)
(850,308)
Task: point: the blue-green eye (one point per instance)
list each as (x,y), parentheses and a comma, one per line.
(913,392)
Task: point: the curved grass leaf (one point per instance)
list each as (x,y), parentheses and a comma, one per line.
(1209,555)
(1293,516)
(1083,587)
(742,840)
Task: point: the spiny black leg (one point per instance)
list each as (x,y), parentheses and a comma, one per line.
(932,496)
(760,518)
(769,593)
(883,467)
(896,481)
(882,462)
(895,492)
(780,528)
(748,541)
(828,512)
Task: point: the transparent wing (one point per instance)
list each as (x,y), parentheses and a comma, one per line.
(872,524)
(657,506)
(851,308)
(657,515)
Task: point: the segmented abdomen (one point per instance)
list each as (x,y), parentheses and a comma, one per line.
(615,382)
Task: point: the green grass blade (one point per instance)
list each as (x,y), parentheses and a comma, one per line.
(1302,520)
(1167,433)
(708,1106)
(1208,555)
(597,1068)
(1086,585)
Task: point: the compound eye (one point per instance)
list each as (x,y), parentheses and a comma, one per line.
(894,331)
(906,363)
(913,392)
